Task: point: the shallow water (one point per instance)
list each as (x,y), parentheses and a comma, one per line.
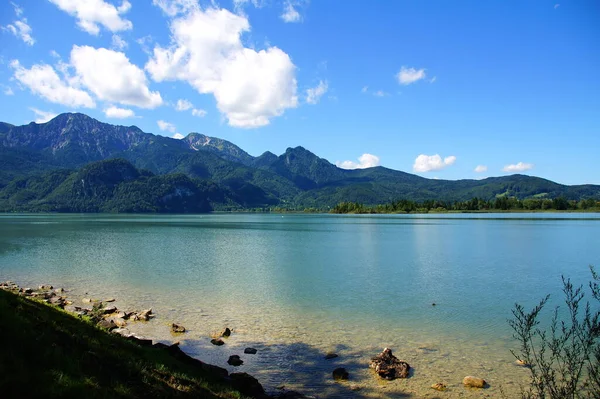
(296,287)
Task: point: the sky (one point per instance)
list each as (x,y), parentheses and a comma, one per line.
(448,90)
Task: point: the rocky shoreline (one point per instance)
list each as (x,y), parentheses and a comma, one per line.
(105,315)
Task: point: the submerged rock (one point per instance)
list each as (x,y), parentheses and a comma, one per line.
(474,382)
(340,374)
(250,351)
(235,360)
(217,341)
(388,366)
(331,356)
(439,386)
(177,328)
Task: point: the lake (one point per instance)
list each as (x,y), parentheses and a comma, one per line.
(296,287)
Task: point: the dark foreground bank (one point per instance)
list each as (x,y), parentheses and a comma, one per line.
(47,352)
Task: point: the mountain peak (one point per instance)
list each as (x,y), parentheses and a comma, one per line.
(220,147)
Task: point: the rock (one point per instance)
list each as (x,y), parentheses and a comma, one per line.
(110,300)
(122,315)
(117,321)
(109,309)
(145,315)
(521,363)
(246,384)
(474,382)
(225,333)
(109,324)
(250,351)
(331,356)
(45,287)
(217,341)
(57,301)
(27,290)
(340,374)
(388,366)
(234,360)
(139,340)
(86,300)
(122,331)
(177,328)
(59,290)
(355,387)
(439,386)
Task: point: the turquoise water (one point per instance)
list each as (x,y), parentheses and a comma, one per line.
(298,286)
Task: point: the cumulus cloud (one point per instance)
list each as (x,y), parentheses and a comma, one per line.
(92,13)
(20,28)
(249,86)
(481,168)
(364,161)
(518,167)
(313,95)
(42,116)
(408,76)
(118,113)
(426,163)
(175,7)
(199,112)
(166,126)
(118,43)
(178,136)
(43,80)
(111,77)
(183,105)
(290,14)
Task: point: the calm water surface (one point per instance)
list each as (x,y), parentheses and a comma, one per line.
(298,286)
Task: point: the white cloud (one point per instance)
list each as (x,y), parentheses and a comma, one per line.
(8,91)
(54,54)
(18,10)
(162,125)
(380,93)
(178,136)
(290,14)
(426,163)
(199,112)
(519,167)
(42,116)
(111,77)
(481,168)
(118,43)
(183,105)
(21,30)
(250,86)
(407,76)
(364,89)
(364,161)
(432,80)
(118,113)
(42,80)
(175,7)
(92,13)
(313,95)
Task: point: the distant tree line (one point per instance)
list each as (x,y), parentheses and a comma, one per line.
(472,205)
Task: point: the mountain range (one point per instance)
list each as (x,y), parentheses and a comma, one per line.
(77,163)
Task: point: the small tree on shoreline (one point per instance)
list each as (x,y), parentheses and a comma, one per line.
(563,359)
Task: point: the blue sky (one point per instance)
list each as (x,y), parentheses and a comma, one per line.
(450,90)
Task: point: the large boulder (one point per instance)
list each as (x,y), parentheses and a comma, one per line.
(474,382)
(388,366)
(235,360)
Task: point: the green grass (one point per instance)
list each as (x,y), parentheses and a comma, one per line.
(49,353)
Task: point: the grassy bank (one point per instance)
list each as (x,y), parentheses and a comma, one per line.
(47,352)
